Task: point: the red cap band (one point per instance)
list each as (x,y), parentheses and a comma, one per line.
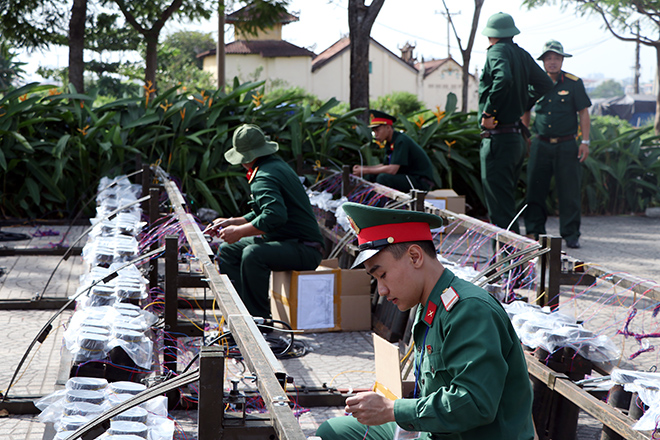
(400,232)
(380,121)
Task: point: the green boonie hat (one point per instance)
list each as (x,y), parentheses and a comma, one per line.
(249,142)
(376,118)
(377,228)
(500,25)
(554,46)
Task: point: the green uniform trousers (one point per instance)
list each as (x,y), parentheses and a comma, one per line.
(501,163)
(348,428)
(402,182)
(561,160)
(249,261)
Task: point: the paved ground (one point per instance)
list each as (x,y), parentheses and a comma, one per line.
(342,360)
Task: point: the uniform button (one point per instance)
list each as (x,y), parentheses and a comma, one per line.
(550,126)
(549,113)
(432,370)
(549,100)
(423,381)
(419,348)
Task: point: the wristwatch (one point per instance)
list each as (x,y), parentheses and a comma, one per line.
(586,142)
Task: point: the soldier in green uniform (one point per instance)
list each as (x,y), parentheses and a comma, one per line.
(555,150)
(510,84)
(280,233)
(407,165)
(471,380)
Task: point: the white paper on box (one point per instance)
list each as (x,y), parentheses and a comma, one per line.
(316,308)
(438,203)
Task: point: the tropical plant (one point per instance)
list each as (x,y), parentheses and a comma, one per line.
(622,172)
(398,103)
(63,144)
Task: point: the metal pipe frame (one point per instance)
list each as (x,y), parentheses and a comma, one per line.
(253,347)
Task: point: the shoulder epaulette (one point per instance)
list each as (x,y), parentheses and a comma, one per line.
(571,76)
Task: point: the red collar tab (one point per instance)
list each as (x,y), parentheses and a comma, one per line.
(396,233)
(430,312)
(251,173)
(449,298)
(380,121)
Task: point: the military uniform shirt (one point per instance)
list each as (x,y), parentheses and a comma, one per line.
(410,157)
(473,378)
(504,91)
(279,202)
(556,111)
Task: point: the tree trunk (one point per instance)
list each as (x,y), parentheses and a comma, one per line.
(220,48)
(360,20)
(77,44)
(656,121)
(467,54)
(151,39)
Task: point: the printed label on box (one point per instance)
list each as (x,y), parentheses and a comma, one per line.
(316,308)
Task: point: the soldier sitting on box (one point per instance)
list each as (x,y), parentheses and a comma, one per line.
(281,232)
(406,167)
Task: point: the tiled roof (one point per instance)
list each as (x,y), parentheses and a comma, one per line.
(265,48)
(431,65)
(246,12)
(324,57)
(344,44)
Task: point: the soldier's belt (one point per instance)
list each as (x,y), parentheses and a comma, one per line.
(504,130)
(556,140)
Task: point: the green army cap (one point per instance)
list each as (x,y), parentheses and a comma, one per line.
(376,118)
(500,25)
(554,46)
(377,228)
(249,142)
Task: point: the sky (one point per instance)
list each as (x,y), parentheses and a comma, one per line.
(596,53)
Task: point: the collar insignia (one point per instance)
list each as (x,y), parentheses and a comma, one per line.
(430,312)
(449,298)
(250,174)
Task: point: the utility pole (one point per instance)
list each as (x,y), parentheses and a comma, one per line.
(637,66)
(448,17)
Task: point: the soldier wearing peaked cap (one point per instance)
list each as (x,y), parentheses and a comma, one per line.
(471,378)
(555,150)
(406,167)
(279,233)
(510,84)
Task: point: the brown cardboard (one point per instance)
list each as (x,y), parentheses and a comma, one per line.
(453,202)
(351,297)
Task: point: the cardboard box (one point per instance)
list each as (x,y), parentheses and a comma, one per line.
(326,299)
(446,199)
(449,200)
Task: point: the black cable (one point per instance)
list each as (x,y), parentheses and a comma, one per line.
(43,333)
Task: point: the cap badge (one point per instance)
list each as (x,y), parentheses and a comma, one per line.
(353,225)
(390,240)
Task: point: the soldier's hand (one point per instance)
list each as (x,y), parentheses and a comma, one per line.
(217,224)
(230,234)
(488,123)
(583,152)
(370,408)
(357,170)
